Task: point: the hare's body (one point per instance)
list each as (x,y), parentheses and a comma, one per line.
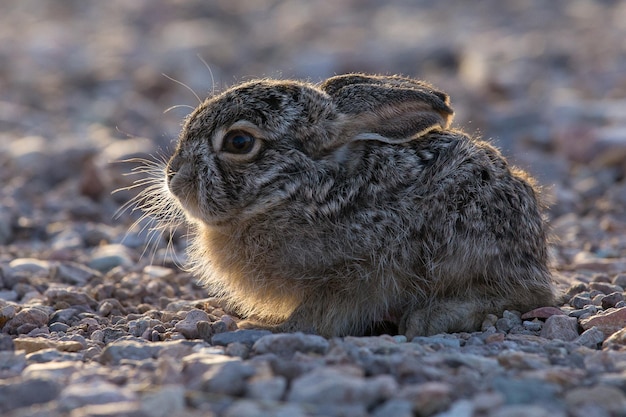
(331,209)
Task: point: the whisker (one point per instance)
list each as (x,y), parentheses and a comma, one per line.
(177,107)
(184,85)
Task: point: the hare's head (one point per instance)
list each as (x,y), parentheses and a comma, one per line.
(256,145)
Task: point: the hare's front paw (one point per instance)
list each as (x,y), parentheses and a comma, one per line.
(445,316)
(285,327)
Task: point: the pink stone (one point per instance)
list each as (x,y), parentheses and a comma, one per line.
(542,313)
(609,321)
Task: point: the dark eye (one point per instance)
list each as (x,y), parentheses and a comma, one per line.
(238,142)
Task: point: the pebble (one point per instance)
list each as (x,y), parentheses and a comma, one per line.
(591,338)
(331,385)
(189,325)
(560,327)
(246,337)
(608,321)
(16,393)
(542,313)
(26,320)
(610,300)
(228,378)
(165,401)
(287,344)
(122,349)
(107,257)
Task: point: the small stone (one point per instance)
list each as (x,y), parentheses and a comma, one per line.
(52,355)
(461,408)
(286,344)
(34,317)
(438,340)
(16,393)
(271,389)
(608,321)
(32,344)
(533,326)
(160,272)
(429,397)
(164,401)
(29,266)
(522,360)
(608,398)
(580,301)
(119,350)
(7,312)
(227,378)
(587,310)
(6,343)
(189,325)
(620,279)
(59,327)
(524,391)
(590,338)
(69,297)
(115,409)
(91,393)
(617,339)
(542,313)
(331,385)
(12,363)
(395,408)
(611,299)
(605,287)
(560,327)
(52,370)
(74,273)
(525,410)
(237,349)
(106,257)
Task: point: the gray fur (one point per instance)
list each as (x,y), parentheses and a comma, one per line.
(360,205)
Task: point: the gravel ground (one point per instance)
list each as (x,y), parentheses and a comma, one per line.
(97,317)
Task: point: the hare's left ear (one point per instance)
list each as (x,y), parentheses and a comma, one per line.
(389,109)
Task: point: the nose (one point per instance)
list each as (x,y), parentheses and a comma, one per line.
(173,166)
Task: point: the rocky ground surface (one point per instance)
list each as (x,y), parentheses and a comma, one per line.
(98,319)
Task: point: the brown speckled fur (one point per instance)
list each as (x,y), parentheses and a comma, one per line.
(359,205)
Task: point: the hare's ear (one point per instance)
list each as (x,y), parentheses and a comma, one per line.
(387,108)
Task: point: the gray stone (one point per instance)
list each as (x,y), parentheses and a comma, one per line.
(18,392)
(91,393)
(104,258)
(272,388)
(560,327)
(119,350)
(164,401)
(611,299)
(12,363)
(591,338)
(189,325)
(335,386)
(439,340)
(114,409)
(524,391)
(579,301)
(74,273)
(227,378)
(247,337)
(395,408)
(287,344)
(71,297)
(587,310)
(32,316)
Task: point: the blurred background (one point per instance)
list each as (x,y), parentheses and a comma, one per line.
(86,82)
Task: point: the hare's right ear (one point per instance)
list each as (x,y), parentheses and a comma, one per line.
(389,109)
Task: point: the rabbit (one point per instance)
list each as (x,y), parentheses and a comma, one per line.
(334,207)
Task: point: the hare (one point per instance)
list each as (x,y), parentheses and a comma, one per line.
(330,208)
